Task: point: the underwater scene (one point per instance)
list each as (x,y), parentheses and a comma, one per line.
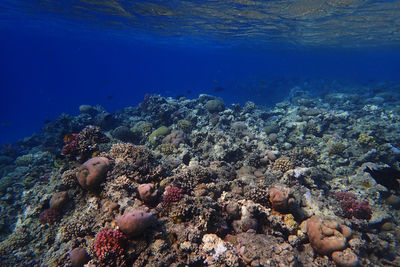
(199,133)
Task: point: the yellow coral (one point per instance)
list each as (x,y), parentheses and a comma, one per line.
(167,148)
(283,164)
(146,128)
(184,125)
(288,219)
(158,134)
(366,140)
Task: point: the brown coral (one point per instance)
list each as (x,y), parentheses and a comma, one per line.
(283,164)
(93,172)
(133,223)
(327,236)
(279,199)
(135,162)
(59,200)
(345,258)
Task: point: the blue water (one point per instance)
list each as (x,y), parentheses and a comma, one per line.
(55,56)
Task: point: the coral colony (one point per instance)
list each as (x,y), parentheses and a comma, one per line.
(194,182)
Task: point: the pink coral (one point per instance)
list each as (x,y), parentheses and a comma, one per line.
(351,207)
(71,146)
(109,243)
(173,194)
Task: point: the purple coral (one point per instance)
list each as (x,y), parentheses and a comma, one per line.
(351,207)
(49,216)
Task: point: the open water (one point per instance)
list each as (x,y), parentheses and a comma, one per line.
(57,55)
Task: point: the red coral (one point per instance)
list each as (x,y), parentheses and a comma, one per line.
(71,144)
(173,194)
(351,207)
(109,244)
(49,216)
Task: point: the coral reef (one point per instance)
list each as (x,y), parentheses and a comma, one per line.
(311,181)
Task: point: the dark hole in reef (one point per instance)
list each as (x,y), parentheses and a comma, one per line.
(388,177)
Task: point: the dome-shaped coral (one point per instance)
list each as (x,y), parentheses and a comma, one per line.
(148,193)
(92,172)
(133,223)
(345,258)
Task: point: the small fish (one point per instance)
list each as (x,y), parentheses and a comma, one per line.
(47,121)
(188,92)
(106,81)
(179,96)
(219,89)
(215,80)
(67,137)
(262,83)
(6,124)
(109,97)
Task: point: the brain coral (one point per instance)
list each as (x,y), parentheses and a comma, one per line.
(327,236)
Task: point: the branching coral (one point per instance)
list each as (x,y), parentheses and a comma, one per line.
(109,244)
(173,194)
(351,207)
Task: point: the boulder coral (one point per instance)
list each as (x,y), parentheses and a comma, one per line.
(279,199)
(58,200)
(78,257)
(49,216)
(148,193)
(345,258)
(93,172)
(327,236)
(134,222)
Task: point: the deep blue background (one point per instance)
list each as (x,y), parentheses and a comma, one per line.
(44,74)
